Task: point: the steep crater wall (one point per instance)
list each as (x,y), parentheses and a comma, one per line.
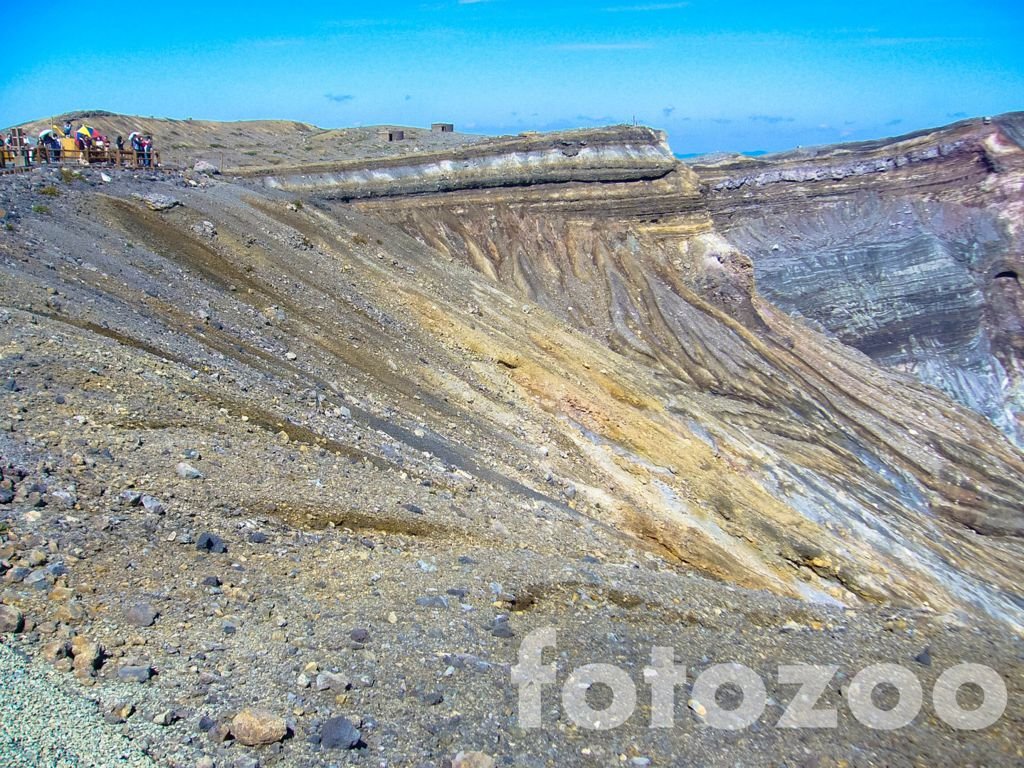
(909,251)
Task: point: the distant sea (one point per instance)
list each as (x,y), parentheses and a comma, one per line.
(692,155)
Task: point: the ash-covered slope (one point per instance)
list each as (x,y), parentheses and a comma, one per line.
(691,413)
(909,250)
(542,368)
(814,448)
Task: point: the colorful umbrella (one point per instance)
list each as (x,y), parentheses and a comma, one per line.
(132,135)
(86,130)
(44,135)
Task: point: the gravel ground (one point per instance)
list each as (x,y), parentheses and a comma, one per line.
(42,724)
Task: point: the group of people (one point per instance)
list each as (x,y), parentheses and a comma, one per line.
(87,145)
(87,140)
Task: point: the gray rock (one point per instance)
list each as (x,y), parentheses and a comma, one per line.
(205,228)
(6,496)
(141,615)
(339,733)
(65,497)
(205,166)
(330,681)
(18,574)
(186,471)
(157,202)
(135,673)
(208,542)
(165,718)
(153,504)
(432,601)
(360,635)
(11,619)
(40,579)
(131,498)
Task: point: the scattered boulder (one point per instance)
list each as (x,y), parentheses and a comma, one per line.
(135,673)
(55,651)
(340,733)
(141,615)
(360,635)
(258,727)
(131,498)
(186,471)
(330,681)
(157,202)
(165,718)
(11,619)
(87,654)
(205,166)
(208,542)
(473,760)
(205,228)
(118,712)
(153,504)
(34,558)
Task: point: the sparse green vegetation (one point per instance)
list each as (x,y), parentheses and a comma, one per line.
(251,153)
(41,208)
(8,226)
(68,176)
(297,203)
(360,240)
(217,146)
(50,191)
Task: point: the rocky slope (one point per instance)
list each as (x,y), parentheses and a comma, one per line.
(329,440)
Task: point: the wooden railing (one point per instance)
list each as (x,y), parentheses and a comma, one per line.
(24,157)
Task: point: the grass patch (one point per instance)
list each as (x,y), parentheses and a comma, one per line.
(217,146)
(50,191)
(360,240)
(41,208)
(8,226)
(68,176)
(297,203)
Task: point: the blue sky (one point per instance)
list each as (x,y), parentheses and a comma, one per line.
(736,76)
